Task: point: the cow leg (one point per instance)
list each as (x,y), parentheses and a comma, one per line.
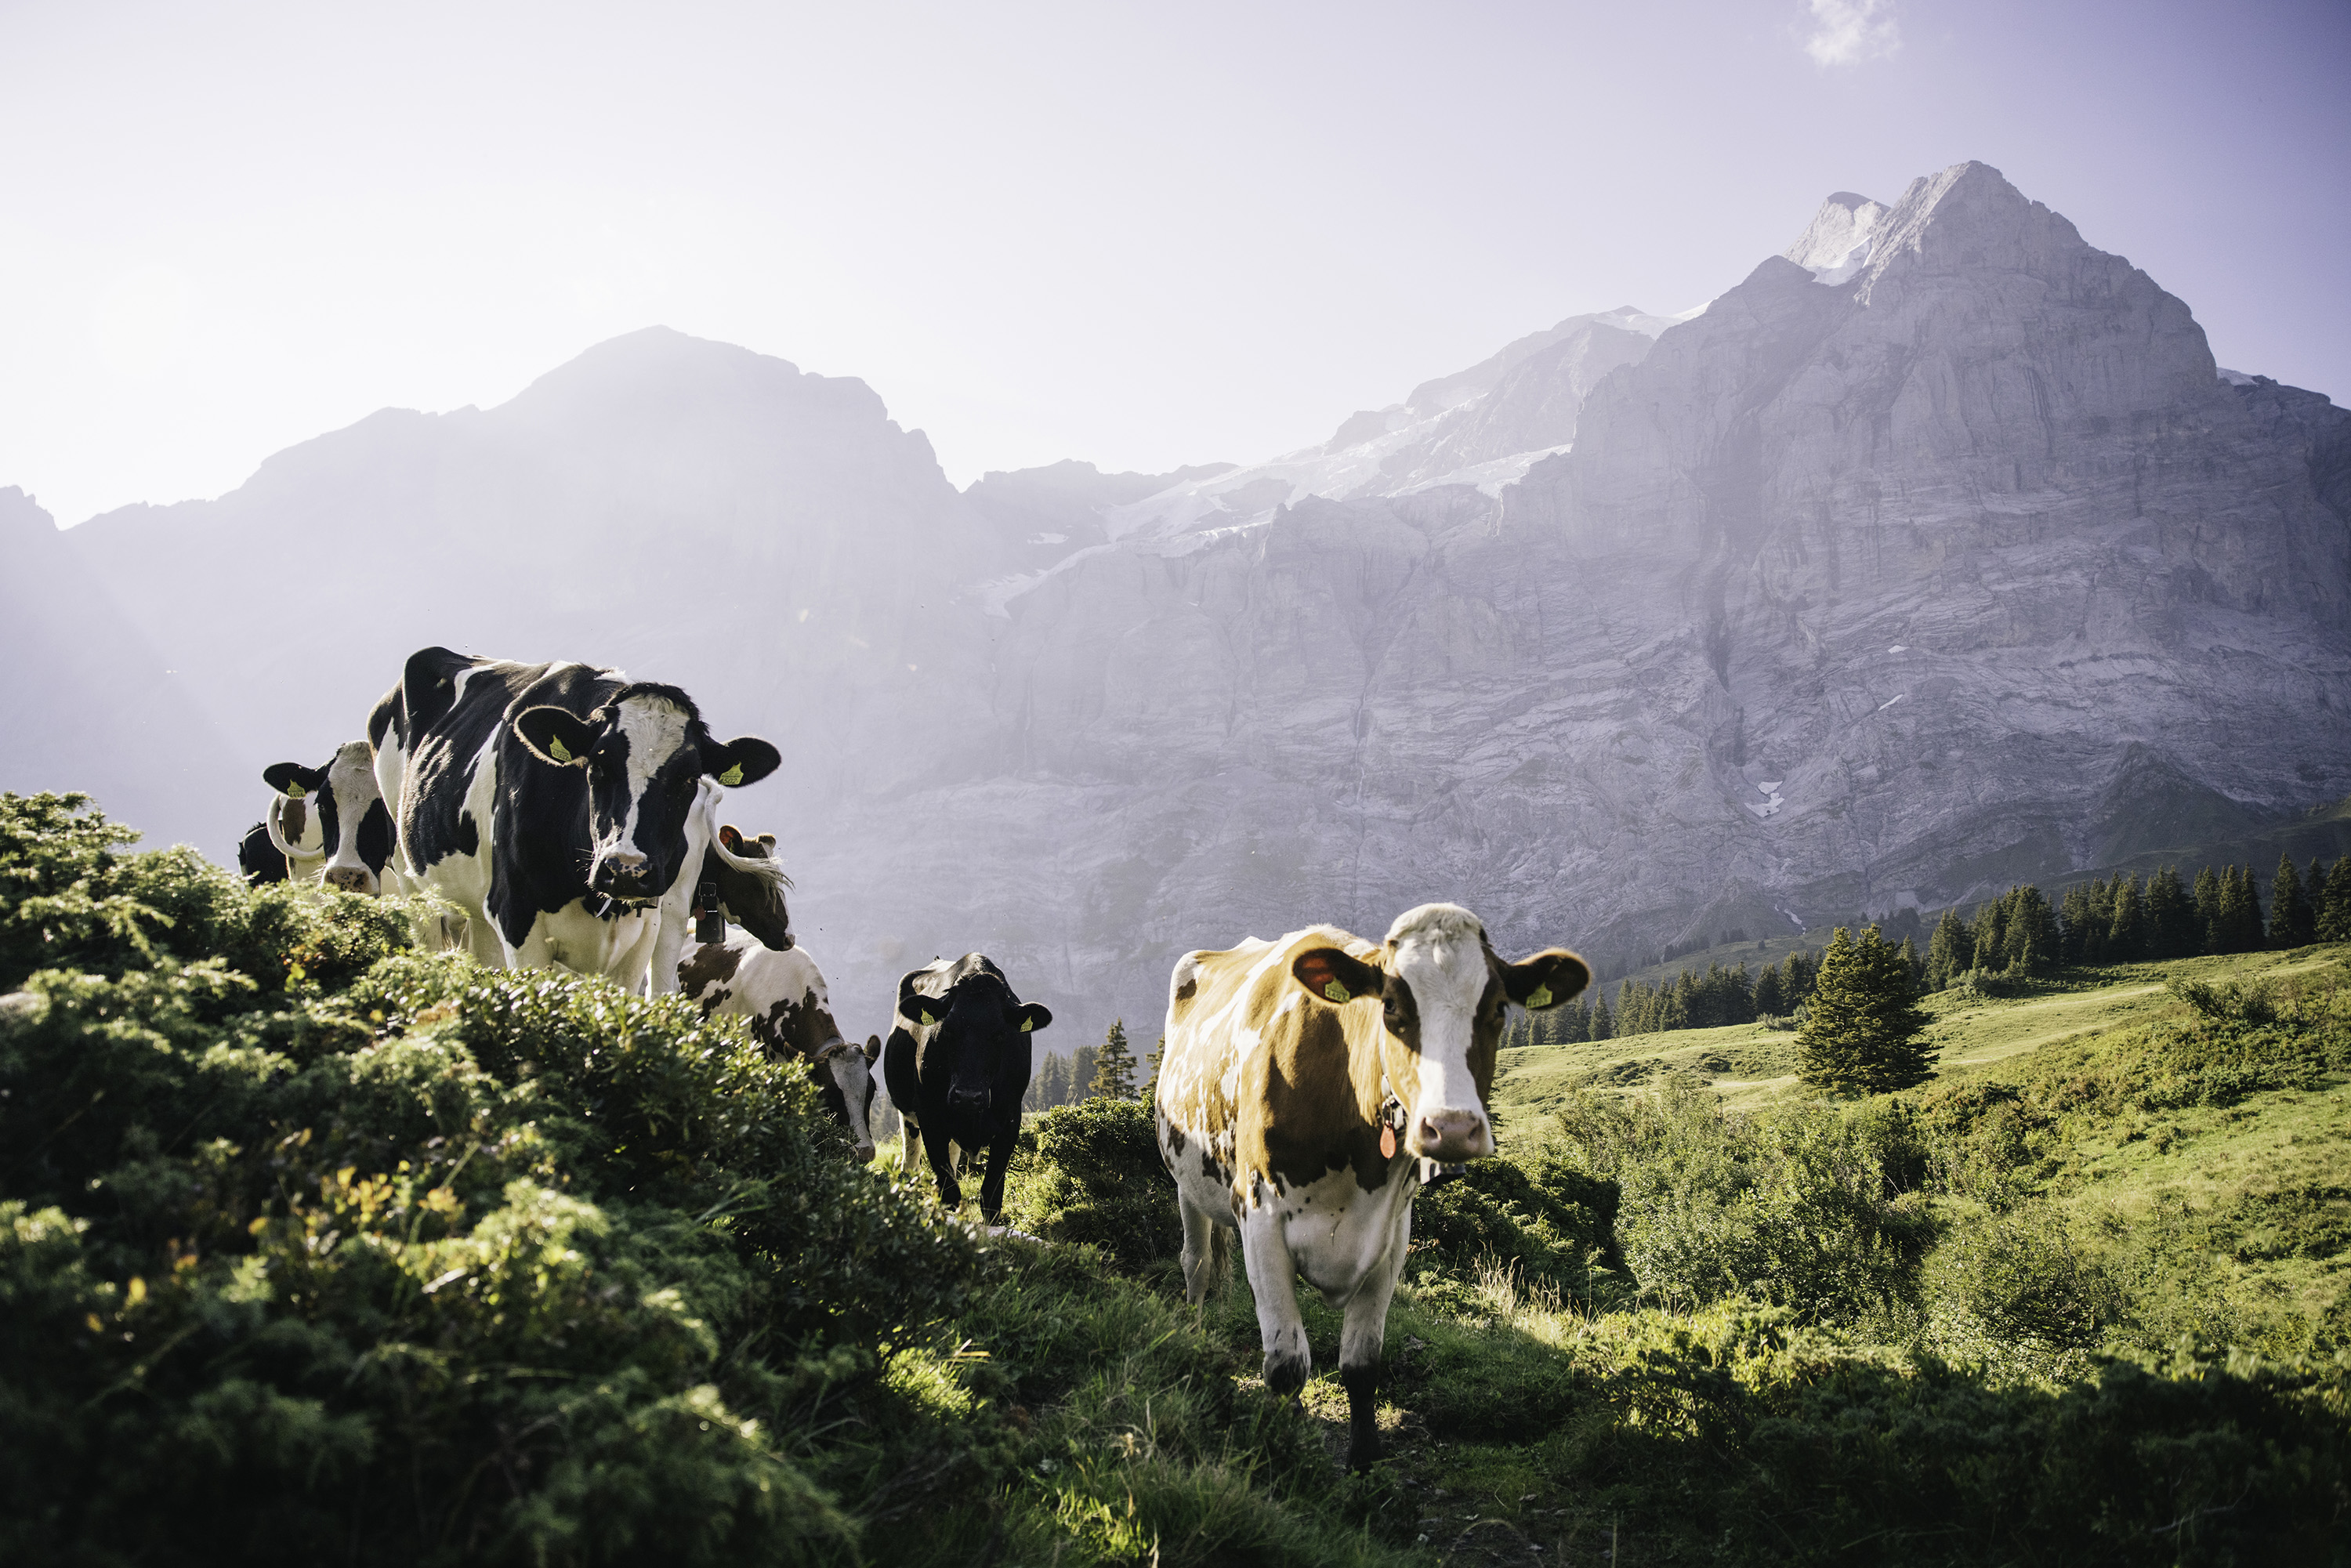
(941,1152)
(910,1138)
(1273,1280)
(1207,1252)
(1362,1341)
(991,1185)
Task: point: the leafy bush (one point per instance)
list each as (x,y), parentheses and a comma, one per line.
(1555,1222)
(1092,1173)
(1811,1206)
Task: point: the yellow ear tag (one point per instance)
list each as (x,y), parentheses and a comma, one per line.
(1539,999)
(1337,992)
(732,776)
(557,750)
(294,791)
(1028,1024)
(925,1015)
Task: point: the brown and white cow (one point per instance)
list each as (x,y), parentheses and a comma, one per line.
(732,878)
(783,994)
(1304,1084)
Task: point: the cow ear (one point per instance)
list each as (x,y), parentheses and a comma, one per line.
(1547,979)
(872,1049)
(746,759)
(1034,1017)
(767,842)
(924,1011)
(728,836)
(292,780)
(554,736)
(1337,977)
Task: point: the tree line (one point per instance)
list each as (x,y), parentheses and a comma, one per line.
(2119,920)
(1108,1071)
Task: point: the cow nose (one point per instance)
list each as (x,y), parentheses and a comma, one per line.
(1452,1135)
(350,879)
(967,1096)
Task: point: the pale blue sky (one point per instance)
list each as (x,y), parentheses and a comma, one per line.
(1142,235)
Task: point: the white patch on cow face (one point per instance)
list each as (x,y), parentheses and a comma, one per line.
(351,778)
(1440,952)
(656,731)
(854,1077)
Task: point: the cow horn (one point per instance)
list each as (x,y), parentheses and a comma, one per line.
(277,836)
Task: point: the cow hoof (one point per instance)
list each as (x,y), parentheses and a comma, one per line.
(1285,1374)
(1363,1453)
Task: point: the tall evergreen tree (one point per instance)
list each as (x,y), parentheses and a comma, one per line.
(2333,921)
(2237,922)
(2293,922)
(1149,1092)
(1603,1026)
(2127,927)
(1766,992)
(2028,936)
(1803,969)
(1864,1034)
(2173,928)
(1918,964)
(2081,937)
(1114,1066)
(1950,951)
(1081,1074)
(2208,910)
(1990,930)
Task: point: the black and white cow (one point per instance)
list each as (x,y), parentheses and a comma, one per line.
(784,996)
(956,1066)
(327,823)
(736,879)
(553,803)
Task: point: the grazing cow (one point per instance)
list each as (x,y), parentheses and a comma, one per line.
(783,994)
(344,839)
(956,1066)
(552,803)
(736,879)
(1302,1084)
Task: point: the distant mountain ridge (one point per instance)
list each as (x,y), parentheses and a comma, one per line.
(1936,552)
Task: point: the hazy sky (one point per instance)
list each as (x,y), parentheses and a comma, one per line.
(1139,235)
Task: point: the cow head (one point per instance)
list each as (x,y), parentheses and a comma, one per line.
(1442,992)
(354,830)
(751,885)
(979,1024)
(643,752)
(798,1021)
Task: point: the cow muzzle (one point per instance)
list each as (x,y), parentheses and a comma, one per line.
(624,873)
(1451,1137)
(351,879)
(963,1099)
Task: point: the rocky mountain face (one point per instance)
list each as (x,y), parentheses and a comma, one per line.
(1935,553)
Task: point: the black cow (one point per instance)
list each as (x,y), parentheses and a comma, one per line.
(553,803)
(956,1066)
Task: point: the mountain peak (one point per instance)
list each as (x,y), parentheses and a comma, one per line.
(1837,244)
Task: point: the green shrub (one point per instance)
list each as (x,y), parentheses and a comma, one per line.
(1553,1221)
(1092,1173)
(1808,1206)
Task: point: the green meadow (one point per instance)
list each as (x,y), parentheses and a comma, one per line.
(315,1246)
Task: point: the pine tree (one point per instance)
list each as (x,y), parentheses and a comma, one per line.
(1950,952)
(2126,930)
(2292,922)
(2208,910)
(1114,1077)
(2173,930)
(1918,966)
(2081,936)
(1864,1034)
(1149,1092)
(2237,920)
(1603,1026)
(1803,970)
(1767,993)
(1990,932)
(2334,923)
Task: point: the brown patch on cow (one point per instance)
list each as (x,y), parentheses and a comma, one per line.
(711,965)
(293,821)
(1176,1139)
(1309,1099)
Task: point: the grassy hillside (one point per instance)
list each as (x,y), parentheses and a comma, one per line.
(313,1247)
